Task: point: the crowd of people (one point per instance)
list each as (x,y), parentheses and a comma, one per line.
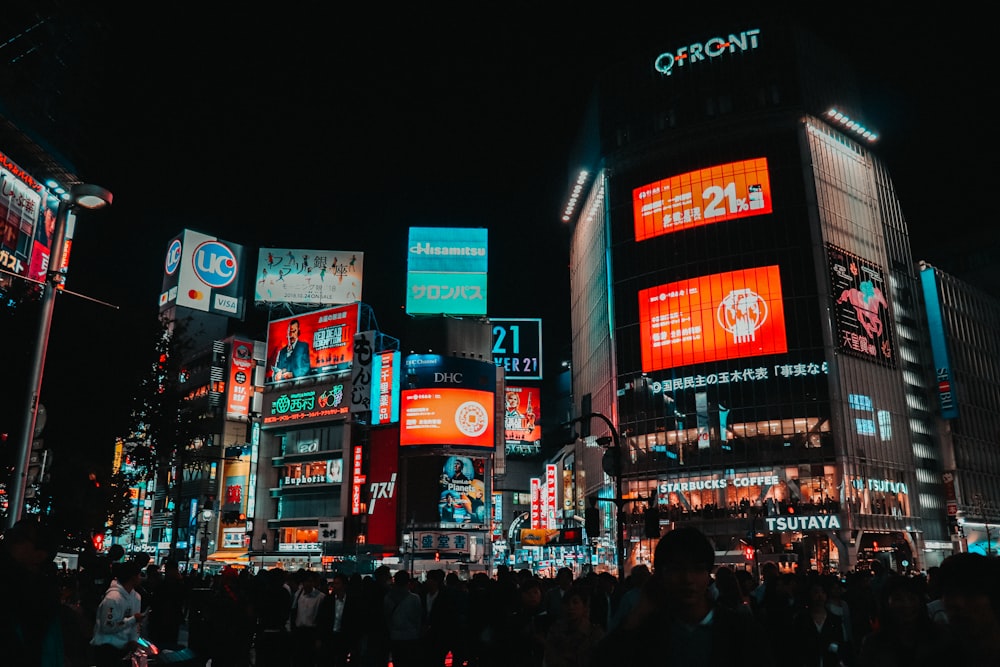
(683,610)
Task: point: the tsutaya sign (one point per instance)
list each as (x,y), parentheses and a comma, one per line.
(803,522)
(711,48)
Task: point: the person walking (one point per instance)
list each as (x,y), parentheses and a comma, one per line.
(303,620)
(340,621)
(572,638)
(676,622)
(404,617)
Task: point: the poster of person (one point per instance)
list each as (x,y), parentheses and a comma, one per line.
(462,501)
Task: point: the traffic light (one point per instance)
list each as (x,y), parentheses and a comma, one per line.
(570,536)
(437,556)
(651,519)
(748,552)
(99,542)
(592,521)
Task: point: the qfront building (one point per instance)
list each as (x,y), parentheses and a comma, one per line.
(746,309)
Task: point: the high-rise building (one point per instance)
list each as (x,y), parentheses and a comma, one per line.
(746,309)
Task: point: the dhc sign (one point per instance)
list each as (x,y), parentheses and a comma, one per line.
(711,48)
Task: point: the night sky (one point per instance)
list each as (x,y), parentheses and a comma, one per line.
(269,128)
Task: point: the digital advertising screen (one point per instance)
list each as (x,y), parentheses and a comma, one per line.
(724,192)
(319,277)
(860,296)
(447,491)
(716,317)
(521,413)
(517,347)
(446,271)
(291,405)
(312,344)
(444,416)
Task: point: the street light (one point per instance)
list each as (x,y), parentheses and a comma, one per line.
(85,196)
(206,518)
(612,464)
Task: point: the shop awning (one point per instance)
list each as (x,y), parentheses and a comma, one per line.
(229,557)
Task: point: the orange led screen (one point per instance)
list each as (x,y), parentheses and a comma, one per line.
(724,192)
(721,316)
(439,416)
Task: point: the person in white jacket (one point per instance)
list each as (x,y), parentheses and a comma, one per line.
(116,629)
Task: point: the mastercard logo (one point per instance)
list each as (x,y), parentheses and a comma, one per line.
(195,295)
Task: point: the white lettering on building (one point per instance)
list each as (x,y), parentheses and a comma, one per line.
(813,522)
(711,48)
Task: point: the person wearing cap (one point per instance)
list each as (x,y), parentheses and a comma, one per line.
(676,620)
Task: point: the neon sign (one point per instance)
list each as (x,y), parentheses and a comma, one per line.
(711,48)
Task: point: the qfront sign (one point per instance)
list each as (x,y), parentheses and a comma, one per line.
(709,49)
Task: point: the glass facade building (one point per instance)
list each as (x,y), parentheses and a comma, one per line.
(745,307)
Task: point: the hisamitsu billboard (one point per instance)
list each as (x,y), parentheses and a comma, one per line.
(446,271)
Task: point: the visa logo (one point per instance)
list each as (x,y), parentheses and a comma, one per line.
(225,303)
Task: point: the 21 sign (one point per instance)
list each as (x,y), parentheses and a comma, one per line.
(517,347)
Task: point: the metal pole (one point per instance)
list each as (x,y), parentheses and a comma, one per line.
(53,279)
(619,501)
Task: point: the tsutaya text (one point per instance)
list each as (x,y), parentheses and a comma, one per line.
(711,48)
(803,522)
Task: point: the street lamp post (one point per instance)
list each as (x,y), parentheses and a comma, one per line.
(613,466)
(80,196)
(206,518)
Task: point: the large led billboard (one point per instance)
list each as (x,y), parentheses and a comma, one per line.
(724,192)
(317,343)
(443,416)
(716,317)
(521,415)
(314,277)
(446,271)
(447,491)
(204,273)
(860,292)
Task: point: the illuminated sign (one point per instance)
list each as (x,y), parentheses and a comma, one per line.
(330,471)
(714,47)
(741,376)
(320,402)
(939,345)
(517,347)
(383,487)
(203,273)
(803,522)
(705,196)
(860,308)
(446,271)
(439,416)
(453,542)
(717,317)
(317,343)
(385,388)
(20,213)
(239,387)
(446,491)
(742,481)
(317,277)
(357,480)
(435,370)
(536,503)
(549,496)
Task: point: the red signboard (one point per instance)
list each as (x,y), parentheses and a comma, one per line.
(240,387)
(723,192)
(383,491)
(721,316)
(443,416)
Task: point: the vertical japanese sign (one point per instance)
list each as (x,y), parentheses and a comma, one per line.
(862,325)
(361,371)
(385,388)
(357,481)
(536,502)
(549,507)
(939,345)
(240,387)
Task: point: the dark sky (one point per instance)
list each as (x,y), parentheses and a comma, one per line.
(269,127)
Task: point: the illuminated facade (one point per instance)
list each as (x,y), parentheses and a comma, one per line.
(745,307)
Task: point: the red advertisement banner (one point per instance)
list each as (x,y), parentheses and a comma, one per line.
(721,316)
